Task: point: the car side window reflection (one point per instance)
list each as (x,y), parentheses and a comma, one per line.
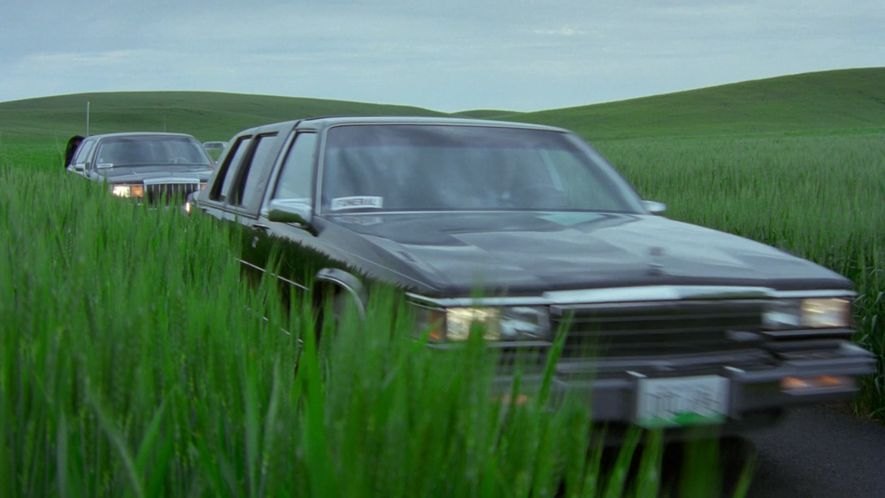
(245,192)
(295,180)
(229,169)
(83,152)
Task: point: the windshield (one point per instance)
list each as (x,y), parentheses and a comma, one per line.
(150,151)
(466,168)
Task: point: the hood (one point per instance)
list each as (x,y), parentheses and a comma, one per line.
(527,253)
(135,174)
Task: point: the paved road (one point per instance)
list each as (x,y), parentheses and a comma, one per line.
(815,452)
(820,452)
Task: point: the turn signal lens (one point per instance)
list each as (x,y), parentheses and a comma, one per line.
(821,381)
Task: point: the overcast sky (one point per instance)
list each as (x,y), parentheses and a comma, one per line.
(447,55)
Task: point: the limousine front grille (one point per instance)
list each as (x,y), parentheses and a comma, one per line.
(658,328)
(167,190)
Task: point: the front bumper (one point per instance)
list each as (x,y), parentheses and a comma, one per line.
(612,398)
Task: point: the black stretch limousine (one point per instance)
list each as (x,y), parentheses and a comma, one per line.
(669,324)
(151,167)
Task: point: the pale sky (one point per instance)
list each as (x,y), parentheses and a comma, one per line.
(447,55)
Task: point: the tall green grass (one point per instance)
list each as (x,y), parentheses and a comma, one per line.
(820,197)
(134,361)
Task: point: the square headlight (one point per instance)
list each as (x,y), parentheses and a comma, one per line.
(808,313)
(460,321)
(121,190)
(498,323)
(127,190)
(820,313)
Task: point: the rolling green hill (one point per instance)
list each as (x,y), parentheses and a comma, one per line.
(486,114)
(813,103)
(207,115)
(843,101)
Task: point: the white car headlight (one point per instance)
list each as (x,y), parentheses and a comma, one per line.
(459,321)
(121,190)
(820,313)
(127,190)
(515,323)
(808,313)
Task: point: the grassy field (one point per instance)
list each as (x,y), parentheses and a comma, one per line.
(133,361)
(136,362)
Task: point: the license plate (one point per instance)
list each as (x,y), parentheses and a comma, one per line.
(681,402)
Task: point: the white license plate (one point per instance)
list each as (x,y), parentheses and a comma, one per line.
(682,401)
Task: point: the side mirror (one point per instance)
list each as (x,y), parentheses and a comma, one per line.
(295,211)
(654,207)
(80,166)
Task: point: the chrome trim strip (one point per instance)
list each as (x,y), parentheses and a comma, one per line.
(262,270)
(649,293)
(172,180)
(814,293)
(656,293)
(477,211)
(451,302)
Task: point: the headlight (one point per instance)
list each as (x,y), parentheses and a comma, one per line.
(819,313)
(459,322)
(121,190)
(808,313)
(126,190)
(515,323)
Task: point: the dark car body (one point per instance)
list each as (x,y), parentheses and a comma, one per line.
(149,166)
(666,323)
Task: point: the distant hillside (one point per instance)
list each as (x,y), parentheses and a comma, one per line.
(208,115)
(487,114)
(842,101)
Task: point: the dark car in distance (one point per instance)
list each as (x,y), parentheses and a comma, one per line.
(149,166)
(667,324)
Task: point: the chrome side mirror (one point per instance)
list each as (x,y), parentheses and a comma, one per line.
(654,207)
(296,211)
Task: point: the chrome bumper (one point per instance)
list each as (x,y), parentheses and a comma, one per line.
(613,399)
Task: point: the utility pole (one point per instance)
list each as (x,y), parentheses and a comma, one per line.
(87,117)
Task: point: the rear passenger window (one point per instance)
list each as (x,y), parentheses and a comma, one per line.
(229,169)
(83,152)
(248,187)
(296,179)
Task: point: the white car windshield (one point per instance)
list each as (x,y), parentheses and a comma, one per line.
(150,151)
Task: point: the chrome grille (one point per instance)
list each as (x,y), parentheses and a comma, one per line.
(658,328)
(167,191)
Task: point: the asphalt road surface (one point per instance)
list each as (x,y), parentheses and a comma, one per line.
(820,452)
